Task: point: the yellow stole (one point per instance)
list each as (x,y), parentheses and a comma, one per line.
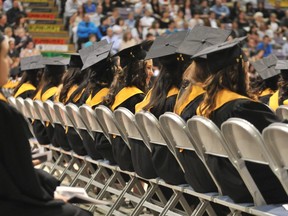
(196,91)
(46,95)
(3,98)
(285,102)
(125,94)
(10,84)
(266,92)
(273,101)
(146,100)
(224,96)
(23,88)
(98,97)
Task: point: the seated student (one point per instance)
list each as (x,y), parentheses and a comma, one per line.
(226,96)
(161,98)
(21,192)
(127,89)
(71,92)
(280,97)
(267,84)
(32,68)
(47,89)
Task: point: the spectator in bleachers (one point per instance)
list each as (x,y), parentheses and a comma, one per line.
(112,38)
(92,39)
(253,33)
(222,11)
(284,20)
(29,50)
(155,29)
(13,54)
(119,26)
(278,10)
(249,10)
(155,7)
(127,41)
(104,25)
(85,28)
(114,16)
(236,31)
(71,7)
(171,28)
(261,8)
(204,8)
(130,21)
(273,22)
(8,32)
(96,17)
(165,20)
(179,19)
(285,50)
(14,12)
(188,10)
(7,5)
(21,38)
(212,21)
(258,19)
(137,31)
(264,48)
(90,7)
(235,10)
(142,6)
(21,22)
(196,20)
(107,7)
(3,22)
(173,8)
(242,20)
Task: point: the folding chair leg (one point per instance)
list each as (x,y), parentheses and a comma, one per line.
(108,183)
(69,165)
(120,198)
(210,211)
(171,202)
(185,205)
(201,208)
(59,159)
(79,173)
(93,177)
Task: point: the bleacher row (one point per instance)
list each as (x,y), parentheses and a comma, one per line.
(237,140)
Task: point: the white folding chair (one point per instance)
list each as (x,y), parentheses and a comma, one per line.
(275,141)
(29,108)
(39,108)
(208,136)
(126,120)
(282,112)
(49,109)
(21,107)
(12,102)
(107,121)
(73,112)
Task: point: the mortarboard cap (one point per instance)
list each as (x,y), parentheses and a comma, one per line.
(85,52)
(282,65)
(75,60)
(31,63)
(201,37)
(57,61)
(266,67)
(165,45)
(223,54)
(97,56)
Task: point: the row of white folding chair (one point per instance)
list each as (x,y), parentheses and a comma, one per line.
(282,112)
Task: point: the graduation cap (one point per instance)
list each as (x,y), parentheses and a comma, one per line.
(85,52)
(57,61)
(98,56)
(165,45)
(31,63)
(282,65)
(75,60)
(201,37)
(223,54)
(266,67)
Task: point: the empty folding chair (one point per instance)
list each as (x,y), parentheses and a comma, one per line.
(282,112)
(190,156)
(246,143)
(209,137)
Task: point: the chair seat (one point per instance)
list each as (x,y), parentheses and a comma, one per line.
(278,210)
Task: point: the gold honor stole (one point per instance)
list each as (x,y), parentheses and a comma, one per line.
(3,98)
(23,88)
(196,91)
(266,92)
(224,96)
(273,101)
(98,97)
(124,94)
(138,107)
(46,95)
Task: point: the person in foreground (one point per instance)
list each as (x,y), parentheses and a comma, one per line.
(21,192)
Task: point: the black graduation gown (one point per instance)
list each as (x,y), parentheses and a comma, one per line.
(229,179)
(44,134)
(121,152)
(21,192)
(265,99)
(27,94)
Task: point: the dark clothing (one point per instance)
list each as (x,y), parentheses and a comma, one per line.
(265,99)
(21,191)
(230,181)
(12,15)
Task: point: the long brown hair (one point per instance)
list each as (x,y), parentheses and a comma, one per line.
(233,78)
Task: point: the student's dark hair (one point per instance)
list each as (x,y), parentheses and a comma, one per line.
(31,76)
(170,76)
(260,85)
(134,74)
(283,86)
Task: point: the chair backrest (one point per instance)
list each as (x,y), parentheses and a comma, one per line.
(207,134)
(148,123)
(282,112)
(74,114)
(126,121)
(62,115)
(49,108)
(275,140)
(21,107)
(29,107)
(107,121)
(88,115)
(39,108)
(12,102)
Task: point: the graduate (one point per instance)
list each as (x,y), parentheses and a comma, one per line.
(267,84)
(127,89)
(54,69)
(21,192)
(280,97)
(32,72)
(162,97)
(226,96)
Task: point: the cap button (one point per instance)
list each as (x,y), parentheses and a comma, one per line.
(204,40)
(167,44)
